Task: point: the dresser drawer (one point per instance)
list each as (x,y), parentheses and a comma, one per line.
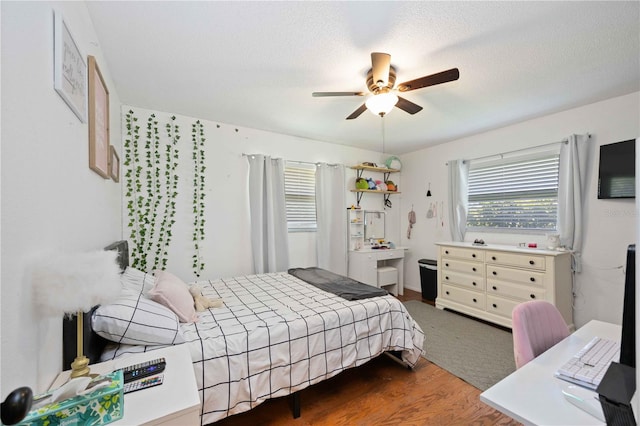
(465,297)
(521,276)
(463,253)
(388,254)
(522,260)
(499,306)
(514,291)
(471,268)
(471,281)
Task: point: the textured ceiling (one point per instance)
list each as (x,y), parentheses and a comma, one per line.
(255,64)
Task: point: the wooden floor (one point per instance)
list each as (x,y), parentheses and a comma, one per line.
(381,392)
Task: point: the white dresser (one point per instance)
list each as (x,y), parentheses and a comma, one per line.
(487,282)
(375,267)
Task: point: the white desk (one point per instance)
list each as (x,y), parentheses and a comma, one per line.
(533,396)
(175,402)
(364,263)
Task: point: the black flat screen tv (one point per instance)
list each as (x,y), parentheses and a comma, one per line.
(617,173)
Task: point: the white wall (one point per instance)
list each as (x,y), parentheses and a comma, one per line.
(227,245)
(609,226)
(50,197)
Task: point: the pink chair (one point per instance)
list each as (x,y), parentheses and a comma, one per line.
(537,326)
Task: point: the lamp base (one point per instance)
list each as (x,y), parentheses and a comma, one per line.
(80,368)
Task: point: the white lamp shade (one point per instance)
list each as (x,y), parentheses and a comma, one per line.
(68,283)
(381,103)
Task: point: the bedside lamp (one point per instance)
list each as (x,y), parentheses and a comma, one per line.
(67,284)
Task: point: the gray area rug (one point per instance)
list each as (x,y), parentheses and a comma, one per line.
(478,353)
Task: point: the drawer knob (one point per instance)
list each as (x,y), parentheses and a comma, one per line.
(446,264)
(446,252)
(447,292)
(495,288)
(533,296)
(446,278)
(493,258)
(473,269)
(531,262)
(494,273)
(474,300)
(473,255)
(474,283)
(532,279)
(494,305)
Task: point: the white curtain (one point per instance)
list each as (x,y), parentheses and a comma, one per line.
(269,237)
(458,198)
(571,184)
(331,217)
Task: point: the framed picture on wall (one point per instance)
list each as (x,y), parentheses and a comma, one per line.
(114,164)
(69,69)
(98,121)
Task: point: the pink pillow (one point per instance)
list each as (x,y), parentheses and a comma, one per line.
(173,293)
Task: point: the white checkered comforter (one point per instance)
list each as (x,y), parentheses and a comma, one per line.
(277,334)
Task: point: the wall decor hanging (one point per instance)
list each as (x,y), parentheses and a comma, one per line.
(98,121)
(198,139)
(114,164)
(151,187)
(69,69)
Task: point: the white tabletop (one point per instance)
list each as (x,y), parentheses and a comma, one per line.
(533,396)
(177,396)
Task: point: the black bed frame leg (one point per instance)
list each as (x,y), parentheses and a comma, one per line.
(295,404)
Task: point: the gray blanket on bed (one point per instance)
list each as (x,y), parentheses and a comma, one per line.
(339,285)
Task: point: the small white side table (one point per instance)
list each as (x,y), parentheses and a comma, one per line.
(175,402)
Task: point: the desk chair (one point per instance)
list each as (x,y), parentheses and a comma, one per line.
(537,325)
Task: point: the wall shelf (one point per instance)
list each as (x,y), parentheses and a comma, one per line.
(384,170)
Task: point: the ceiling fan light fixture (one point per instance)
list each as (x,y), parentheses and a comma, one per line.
(381,103)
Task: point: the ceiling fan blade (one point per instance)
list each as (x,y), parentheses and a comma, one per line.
(380,64)
(408,106)
(323,94)
(430,80)
(356,113)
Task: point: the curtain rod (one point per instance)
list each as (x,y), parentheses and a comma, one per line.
(297,161)
(565,140)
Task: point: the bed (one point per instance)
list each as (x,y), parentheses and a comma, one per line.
(274,335)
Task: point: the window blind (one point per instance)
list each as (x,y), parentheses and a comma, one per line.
(514,193)
(300,197)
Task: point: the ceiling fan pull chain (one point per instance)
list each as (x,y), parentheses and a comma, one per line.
(382,119)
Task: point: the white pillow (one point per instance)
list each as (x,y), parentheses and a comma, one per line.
(136,320)
(135,281)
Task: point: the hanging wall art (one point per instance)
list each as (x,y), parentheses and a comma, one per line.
(98,121)
(69,69)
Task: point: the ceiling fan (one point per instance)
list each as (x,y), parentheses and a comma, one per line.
(380,80)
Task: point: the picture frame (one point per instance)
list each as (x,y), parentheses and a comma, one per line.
(69,69)
(98,121)
(114,164)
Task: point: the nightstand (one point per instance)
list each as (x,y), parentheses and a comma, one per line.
(175,402)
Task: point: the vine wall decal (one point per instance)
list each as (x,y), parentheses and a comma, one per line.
(151,189)
(199,168)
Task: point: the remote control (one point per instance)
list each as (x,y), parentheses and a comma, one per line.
(144,369)
(145,383)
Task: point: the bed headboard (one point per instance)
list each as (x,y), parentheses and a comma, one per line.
(93,345)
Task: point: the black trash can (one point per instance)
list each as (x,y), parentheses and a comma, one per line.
(429,278)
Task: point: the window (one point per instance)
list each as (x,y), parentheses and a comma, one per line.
(514,194)
(300,197)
